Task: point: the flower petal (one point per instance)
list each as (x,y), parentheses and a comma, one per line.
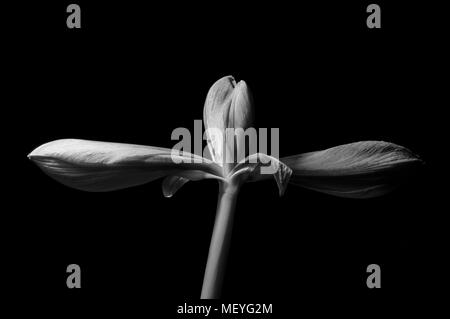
(261,166)
(102,166)
(172,184)
(357,170)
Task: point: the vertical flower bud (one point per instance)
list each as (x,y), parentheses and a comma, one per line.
(229,106)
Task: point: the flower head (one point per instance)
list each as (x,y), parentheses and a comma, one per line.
(357,170)
(362,169)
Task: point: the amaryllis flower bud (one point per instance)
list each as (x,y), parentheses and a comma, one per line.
(228,105)
(357,170)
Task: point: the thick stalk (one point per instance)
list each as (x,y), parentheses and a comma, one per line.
(220,241)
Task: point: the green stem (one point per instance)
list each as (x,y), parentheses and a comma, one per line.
(220,241)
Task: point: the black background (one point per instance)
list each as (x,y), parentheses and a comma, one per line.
(136,71)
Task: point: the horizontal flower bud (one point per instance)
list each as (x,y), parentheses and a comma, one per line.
(356,170)
(102,166)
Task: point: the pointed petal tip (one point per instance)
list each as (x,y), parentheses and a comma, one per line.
(171,184)
(284,175)
(261,166)
(228,79)
(241,84)
(33,154)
